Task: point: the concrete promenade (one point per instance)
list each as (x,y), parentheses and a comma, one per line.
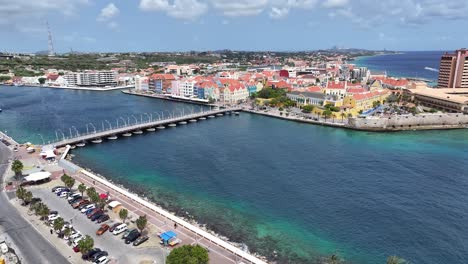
(102,89)
(220,251)
(140,126)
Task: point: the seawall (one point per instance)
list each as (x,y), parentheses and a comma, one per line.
(410,122)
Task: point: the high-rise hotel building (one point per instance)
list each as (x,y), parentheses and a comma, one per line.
(453,70)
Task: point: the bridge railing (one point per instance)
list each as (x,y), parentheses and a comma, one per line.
(137,125)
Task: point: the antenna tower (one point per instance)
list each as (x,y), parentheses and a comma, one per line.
(50,42)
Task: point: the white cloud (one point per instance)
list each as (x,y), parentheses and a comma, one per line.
(278,13)
(335,3)
(26,13)
(183,9)
(108,12)
(240,7)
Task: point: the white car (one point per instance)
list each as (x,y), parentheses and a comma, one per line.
(75,236)
(102,260)
(53,217)
(72,196)
(119,229)
(86,208)
(63,194)
(75,242)
(58,190)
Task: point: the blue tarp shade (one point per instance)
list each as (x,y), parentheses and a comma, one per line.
(167,235)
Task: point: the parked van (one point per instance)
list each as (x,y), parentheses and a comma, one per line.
(121,228)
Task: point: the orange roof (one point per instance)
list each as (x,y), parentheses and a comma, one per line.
(162,76)
(335,85)
(314,89)
(356,90)
(368,95)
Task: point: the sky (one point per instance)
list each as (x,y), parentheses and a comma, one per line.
(202,25)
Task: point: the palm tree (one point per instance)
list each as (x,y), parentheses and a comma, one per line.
(342,116)
(43,210)
(67,232)
(59,223)
(123,213)
(27,197)
(86,244)
(141,222)
(90,191)
(69,182)
(17,167)
(395,260)
(20,192)
(81,188)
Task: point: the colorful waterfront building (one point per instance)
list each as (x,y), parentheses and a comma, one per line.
(161,83)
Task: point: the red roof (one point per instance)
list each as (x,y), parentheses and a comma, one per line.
(231,84)
(314,89)
(367,95)
(336,85)
(355,90)
(162,76)
(52,76)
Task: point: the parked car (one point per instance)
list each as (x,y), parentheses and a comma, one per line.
(60,190)
(74,200)
(76,248)
(87,207)
(140,240)
(75,236)
(99,255)
(53,217)
(88,211)
(75,242)
(102,260)
(119,229)
(96,216)
(93,212)
(111,229)
(63,194)
(103,218)
(52,213)
(58,187)
(83,205)
(132,237)
(126,234)
(72,196)
(102,229)
(80,203)
(90,253)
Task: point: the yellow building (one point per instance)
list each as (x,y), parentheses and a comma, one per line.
(364,101)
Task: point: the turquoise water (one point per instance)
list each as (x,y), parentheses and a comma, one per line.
(413,64)
(304,191)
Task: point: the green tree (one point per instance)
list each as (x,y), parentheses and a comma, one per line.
(343,115)
(59,223)
(67,232)
(395,260)
(94,197)
(101,203)
(307,108)
(17,167)
(27,197)
(327,114)
(42,80)
(4,78)
(70,182)
(20,193)
(42,210)
(141,222)
(90,192)
(81,188)
(188,254)
(64,178)
(123,213)
(86,244)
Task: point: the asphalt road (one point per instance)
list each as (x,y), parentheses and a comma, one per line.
(34,247)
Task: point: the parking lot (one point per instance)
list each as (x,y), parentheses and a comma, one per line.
(119,252)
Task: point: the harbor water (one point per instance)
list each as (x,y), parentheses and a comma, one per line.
(285,189)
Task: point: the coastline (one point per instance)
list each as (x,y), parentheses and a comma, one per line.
(188,224)
(103,89)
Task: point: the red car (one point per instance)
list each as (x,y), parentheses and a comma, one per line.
(102,229)
(76,249)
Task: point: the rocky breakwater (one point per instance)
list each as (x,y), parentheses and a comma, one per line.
(410,122)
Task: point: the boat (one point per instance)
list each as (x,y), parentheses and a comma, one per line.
(137,132)
(81,144)
(211,116)
(236,113)
(127,134)
(219,114)
(113,137)
(96,141)
(151,129)
(192,120)
(183,122)
(72,147)
(172,125)
(160,127)
(202,118)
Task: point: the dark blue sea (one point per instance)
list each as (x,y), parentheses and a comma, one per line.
(415,64)
(304,191)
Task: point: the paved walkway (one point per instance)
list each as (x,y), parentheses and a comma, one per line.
(162,224)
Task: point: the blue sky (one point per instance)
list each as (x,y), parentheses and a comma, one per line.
(180,25)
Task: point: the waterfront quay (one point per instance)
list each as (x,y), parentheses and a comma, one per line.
(158,124)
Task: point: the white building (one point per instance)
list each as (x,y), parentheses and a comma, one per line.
(141,83)
(91,78)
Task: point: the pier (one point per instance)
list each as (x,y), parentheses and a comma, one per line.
(150,125)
